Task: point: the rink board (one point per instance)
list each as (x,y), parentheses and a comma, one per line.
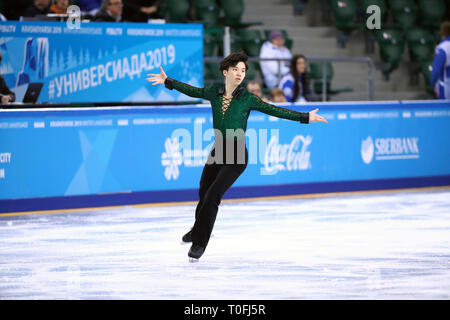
(91,157)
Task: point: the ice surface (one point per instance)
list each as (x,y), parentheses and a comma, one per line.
(393,245)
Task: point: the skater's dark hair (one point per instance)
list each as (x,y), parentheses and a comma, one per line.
(233,59)
(295,74)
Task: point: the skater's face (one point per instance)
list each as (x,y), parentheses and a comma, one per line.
(235,75)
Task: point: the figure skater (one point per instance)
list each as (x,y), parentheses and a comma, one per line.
(231,105)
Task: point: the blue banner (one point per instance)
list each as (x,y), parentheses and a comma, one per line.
(99,62)
(71,152)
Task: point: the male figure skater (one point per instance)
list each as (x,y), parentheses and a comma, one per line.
(231,105)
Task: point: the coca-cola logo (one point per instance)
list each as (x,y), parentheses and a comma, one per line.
(292,156)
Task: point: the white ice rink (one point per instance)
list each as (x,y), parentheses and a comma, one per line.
(392,245)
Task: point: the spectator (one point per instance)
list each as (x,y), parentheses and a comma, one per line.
(440,76)
(60,6)
(274,49)
(6,95)
(255,88)
(296,90)
(39,7)
(110,11)
(277,95)
(89,6)
(141,10)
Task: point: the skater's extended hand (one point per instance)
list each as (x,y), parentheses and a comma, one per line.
(157,78)
(313,117)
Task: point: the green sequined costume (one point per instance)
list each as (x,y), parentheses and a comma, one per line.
(218,176)
(236,115)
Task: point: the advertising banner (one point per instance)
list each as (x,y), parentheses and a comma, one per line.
(99,62)
(70,152)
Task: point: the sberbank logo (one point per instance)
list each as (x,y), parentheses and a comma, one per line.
(367,150)
(391,148)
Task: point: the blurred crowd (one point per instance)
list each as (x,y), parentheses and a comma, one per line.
(94,10)
(285,82)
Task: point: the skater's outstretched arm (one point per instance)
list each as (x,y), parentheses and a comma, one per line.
(270,109)
(170,84)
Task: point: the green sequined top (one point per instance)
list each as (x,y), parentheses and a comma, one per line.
(236,115)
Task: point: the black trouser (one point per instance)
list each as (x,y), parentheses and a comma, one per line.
(217,178)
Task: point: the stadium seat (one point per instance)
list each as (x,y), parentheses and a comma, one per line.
(400,4)
(233,10)
(344,12)
(391,44)
(420,46)
(209,16)
(210,42)
(203,3)
(432,12)
(212,73)
(420,43)
(316,76)
(178,10)
(163,10)
(253,69)
(236,43)
(406,17)
(426,67)
(207,12)
(252,41)
(437,36)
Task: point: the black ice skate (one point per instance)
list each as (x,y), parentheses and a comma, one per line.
(187,237)
(195,252)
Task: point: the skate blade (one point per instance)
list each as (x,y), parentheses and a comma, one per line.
(184,243)
(193,260)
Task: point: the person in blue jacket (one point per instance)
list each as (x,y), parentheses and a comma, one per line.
(296,90)
(440,75)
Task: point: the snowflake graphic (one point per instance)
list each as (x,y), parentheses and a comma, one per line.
(171,158)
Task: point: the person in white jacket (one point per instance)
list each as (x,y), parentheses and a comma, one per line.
(273,70)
